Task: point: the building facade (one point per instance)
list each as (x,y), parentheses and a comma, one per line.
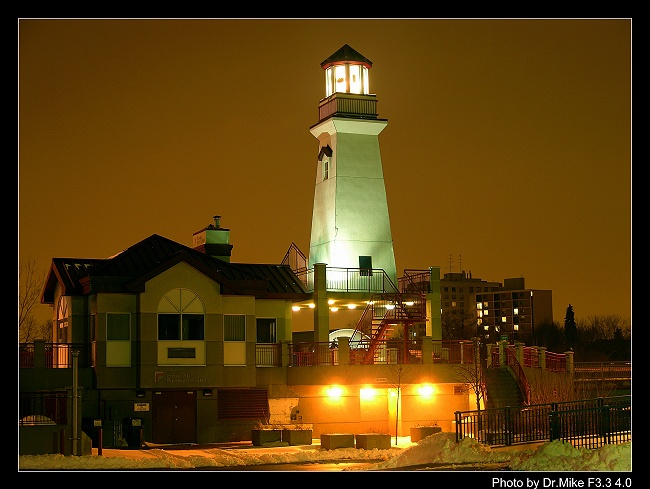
(166,343)
(513,311)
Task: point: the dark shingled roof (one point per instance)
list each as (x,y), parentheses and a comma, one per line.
(128,271)
(346,53)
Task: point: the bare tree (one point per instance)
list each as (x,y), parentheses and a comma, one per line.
(399,376)
(472,374)
(30,286)
(458,324)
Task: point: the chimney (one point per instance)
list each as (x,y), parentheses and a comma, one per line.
(213,240)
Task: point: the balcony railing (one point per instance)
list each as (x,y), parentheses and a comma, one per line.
(268,354)
(373,281)
(53,355)
(391,351)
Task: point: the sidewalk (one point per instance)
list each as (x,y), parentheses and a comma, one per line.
(186,449)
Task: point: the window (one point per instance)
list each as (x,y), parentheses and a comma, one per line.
(266,330)
(192,327)
(234,337)
(93,340)
(169,326)
(326,168)
(181,329)
(181,316)
(234,327)
(62,320)
(365,264)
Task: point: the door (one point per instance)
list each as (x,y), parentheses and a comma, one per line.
(174,417)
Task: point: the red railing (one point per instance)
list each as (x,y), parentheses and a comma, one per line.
(388,351)
(520,375)
(555,362)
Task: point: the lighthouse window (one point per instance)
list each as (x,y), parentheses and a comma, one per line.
(326,168)
(355,79)
(365,265)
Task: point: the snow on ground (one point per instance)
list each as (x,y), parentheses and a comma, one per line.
(440,448)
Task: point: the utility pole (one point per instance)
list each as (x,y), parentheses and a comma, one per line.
(75,400)
(399,385)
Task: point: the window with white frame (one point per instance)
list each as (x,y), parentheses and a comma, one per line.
(181,316)
(181,328)
(234,339)
(267,330)
(234,327)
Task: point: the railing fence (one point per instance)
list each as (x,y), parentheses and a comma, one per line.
(586,423)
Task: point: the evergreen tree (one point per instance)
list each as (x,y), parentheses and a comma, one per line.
(570,328)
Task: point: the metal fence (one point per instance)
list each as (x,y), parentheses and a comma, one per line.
(588,423)
(38,408)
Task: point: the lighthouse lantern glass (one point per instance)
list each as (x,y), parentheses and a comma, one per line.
(346,78)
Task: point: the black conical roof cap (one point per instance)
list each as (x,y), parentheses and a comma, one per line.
(346,53)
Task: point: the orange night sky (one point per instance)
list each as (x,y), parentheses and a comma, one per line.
(507,151)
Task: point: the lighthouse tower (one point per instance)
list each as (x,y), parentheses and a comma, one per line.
(350,224)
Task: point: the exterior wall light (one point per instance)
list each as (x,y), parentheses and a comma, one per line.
(367,393)
(334,392)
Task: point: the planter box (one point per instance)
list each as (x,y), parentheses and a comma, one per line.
(331,441)
(260,437)
(421,432)
(371,441)
(297,437)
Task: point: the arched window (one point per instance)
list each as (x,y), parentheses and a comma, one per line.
(181,316)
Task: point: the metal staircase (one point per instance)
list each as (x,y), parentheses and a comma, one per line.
(383,314)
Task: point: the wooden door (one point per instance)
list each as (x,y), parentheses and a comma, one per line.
(174,417)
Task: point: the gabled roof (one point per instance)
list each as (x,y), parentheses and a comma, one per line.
(128,271)
(346,53)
